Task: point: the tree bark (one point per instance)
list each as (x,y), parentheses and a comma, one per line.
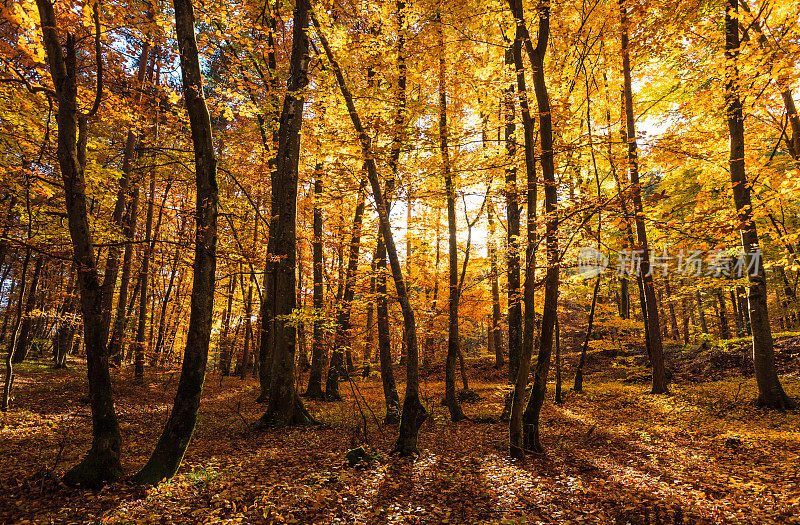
(414,414)
(342,337)
(116,345)
(531,417)
(278,334)
(15,335)
(516,435)
(314,388)
(578,386)
(23,339)
(177,433)
(700,312)
(118,217)
(144,280)
(101,464)
(770,391)
(453,347)
(650,308)
(512,230)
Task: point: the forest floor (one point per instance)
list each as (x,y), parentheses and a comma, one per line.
(702,454)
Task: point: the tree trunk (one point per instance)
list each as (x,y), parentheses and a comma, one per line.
(770,391)
(453,348)
(225,344)
(342,337)
(516,436)
(512,230)
(724,331)
(102,463)
(676,335)
(700,312)
(659,385)
(278,334)
(116,345)
(536,56)
(495,330)
(414,414)
(15,335)
(624,299)
(314,388)
(144,280)
(559,399)
(20,352)
(177,434)
(578,386)
(118,217)
(162,322)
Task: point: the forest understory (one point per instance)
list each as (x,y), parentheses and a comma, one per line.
(616,454)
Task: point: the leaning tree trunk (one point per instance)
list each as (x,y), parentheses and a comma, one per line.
(284,405)
(177,433)
(102,463)
(650,308)
(314,388)
(391,399)
(414,414)
(770,391)
(550,310)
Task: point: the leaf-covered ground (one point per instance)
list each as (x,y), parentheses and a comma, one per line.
(703,454)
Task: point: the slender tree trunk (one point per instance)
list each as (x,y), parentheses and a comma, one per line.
(144,280)
(453,348)
(225,344)
(15,336)
(314,388)
(512,230)
(342,337)
(391,398)
(624,299)
(700,312)
(578,386)
(676,335)
(770,391)
(650,307)
(536,56)
(116,345)
(118,217)
(413,414)
(177,433)
(737,314)
(724,331)
(495,330)
(24,337)
(559,399)
(162,322)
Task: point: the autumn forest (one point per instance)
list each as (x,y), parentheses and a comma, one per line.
(403,261)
